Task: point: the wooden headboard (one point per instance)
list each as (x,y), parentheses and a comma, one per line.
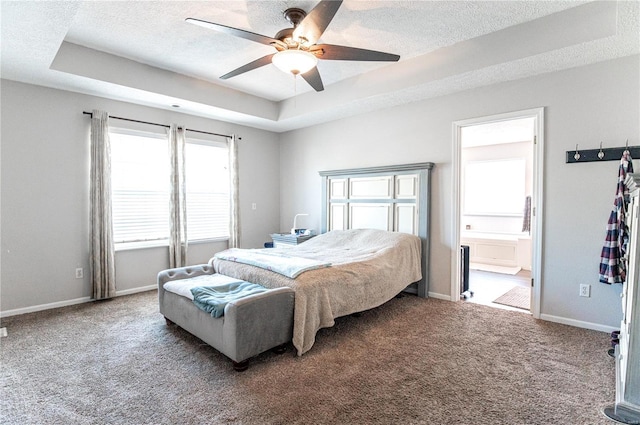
(394,198)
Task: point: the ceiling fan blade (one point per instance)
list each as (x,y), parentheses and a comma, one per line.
(333,52)
(263,39)
(265,60)
(316,21)
(313,78)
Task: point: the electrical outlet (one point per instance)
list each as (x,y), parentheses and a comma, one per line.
(79,273)
(254,206)
(585,290)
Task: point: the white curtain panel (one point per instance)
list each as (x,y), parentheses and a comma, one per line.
(234,222)
(101,250)
(178,198)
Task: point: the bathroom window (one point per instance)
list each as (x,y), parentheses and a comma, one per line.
(494,187)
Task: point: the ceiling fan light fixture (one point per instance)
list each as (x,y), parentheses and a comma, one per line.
(294,61)
(297,48)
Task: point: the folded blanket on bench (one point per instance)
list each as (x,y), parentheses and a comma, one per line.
(213,299)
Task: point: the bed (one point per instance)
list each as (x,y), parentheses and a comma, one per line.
(368,267)
(373,244)
(375,235)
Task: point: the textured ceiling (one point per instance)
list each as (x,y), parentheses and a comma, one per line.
(144,51)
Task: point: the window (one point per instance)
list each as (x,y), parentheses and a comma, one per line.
(494,187)
(140,176)
(207,181)
(139,187)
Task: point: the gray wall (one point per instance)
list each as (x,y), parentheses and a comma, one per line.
(583,105)
(45,191)
(45,163)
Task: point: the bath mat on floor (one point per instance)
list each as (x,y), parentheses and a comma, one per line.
(518,297)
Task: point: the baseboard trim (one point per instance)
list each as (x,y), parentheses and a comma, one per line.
(136,290)
(439,296)
(58,304)
(578,323)
(41,307)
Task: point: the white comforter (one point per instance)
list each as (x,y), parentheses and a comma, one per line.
(368,268)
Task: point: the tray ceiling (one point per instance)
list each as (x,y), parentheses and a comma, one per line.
(144,52)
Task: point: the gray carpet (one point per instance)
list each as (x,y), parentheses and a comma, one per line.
(411,361)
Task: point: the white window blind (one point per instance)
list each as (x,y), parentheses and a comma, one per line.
(140,179)
(140,188)
(207,181)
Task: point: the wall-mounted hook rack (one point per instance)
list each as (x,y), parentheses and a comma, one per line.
(600,154)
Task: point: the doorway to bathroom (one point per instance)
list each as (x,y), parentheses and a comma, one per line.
(498,191)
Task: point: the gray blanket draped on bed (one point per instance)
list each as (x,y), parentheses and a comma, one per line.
(369,267)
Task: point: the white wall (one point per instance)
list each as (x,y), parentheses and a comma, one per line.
(583,105)
(45,191)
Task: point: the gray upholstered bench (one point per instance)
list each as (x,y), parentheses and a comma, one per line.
(249,326)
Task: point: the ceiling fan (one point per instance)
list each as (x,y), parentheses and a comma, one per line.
(297,51)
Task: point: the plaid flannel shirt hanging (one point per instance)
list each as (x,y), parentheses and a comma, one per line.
(612,264)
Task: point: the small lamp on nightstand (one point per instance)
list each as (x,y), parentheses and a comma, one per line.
(295,229)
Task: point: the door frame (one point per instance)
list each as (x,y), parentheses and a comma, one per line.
(536,203)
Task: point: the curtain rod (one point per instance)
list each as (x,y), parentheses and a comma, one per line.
(161,125)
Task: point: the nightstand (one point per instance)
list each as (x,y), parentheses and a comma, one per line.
(287,239)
